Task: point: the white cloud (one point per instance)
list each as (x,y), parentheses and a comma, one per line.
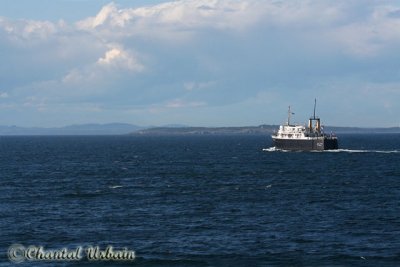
(359,34)
(119,58)
(33,30)
(178,18)
(39,28)
(96,78)
(109,56)
(104,13)
(109,14)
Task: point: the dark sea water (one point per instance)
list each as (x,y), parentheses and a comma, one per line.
(203,200)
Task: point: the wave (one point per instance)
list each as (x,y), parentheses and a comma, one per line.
(114,186)
(362,151)
(270,149)
(274,149)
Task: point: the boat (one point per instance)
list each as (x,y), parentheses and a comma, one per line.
(304,137)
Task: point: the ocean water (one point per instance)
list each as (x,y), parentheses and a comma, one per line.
(203,200)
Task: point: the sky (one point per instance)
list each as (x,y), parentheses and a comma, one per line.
(199,62)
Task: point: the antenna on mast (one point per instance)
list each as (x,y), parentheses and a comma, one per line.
(290,113)
(315,105)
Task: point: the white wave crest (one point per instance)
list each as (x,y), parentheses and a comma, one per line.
(274,149)
(270,149)
(362,151)
(114,186)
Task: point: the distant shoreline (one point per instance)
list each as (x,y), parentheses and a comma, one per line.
(130,129)
(253,130)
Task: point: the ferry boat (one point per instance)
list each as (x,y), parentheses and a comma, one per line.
(301,137)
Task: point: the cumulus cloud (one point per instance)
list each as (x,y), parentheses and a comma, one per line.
(173,20)
(28,29)
(117,57)
(100,76)
(342,22)
(110,56)
(108,14)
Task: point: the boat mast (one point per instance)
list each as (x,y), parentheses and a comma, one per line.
(288,118)
(315,104)
(317,128)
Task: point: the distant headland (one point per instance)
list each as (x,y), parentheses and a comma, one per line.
(250,130)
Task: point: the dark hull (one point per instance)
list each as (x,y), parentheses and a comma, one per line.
(313,144)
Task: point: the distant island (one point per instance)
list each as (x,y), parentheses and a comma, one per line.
(250,130)
(246,130)
(130,129)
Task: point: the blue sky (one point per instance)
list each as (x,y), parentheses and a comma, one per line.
(198,62)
